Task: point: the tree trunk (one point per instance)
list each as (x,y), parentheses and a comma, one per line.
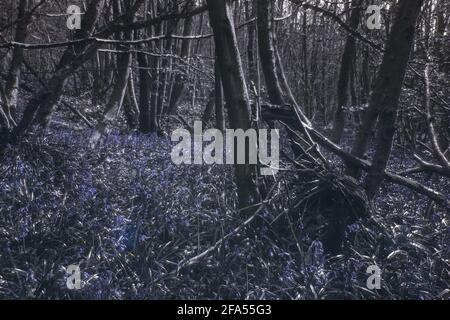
(13,78)
(5,125)
(166,62)
(131,106)
(267,53)
(116,100)
(180,78)
(348,59)
(365,77)
(156,72)
(385,98)
(40,107)
(97,80)
(305,64)
(235,93)
(218,98)
(118,94)
(146,121)
(388,83)
(210,105)
(251,30)
(264,9)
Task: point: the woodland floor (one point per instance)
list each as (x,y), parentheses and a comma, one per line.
(127,215)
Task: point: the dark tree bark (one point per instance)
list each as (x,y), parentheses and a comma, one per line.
(388,83)
(148,112)
(40,107)
(218,98)
(268,55)
(210,105)
(4,119)
(365,76)
(384,100)
(156,72)
(165,62)
(13,77)
(147,120)
(131,106)
(251,33)
(178,88)
(96,89)
(348,59)
(123,63)
(235,94)
(305,65)
(264,9)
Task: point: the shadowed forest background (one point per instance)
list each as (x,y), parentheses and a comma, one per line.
(86,176)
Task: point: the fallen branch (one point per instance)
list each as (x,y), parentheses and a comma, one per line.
(366,165)
(285,114)
(430,167)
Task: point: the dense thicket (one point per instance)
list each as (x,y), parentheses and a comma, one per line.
(364,115)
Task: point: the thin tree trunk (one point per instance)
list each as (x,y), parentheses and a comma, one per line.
(251,30)
(235,93)
(146,124)
(433,135)
(218,98)
(267,53)
(40,107)
(116,100)
(131,106)
(148,115)
(210,105)
(388,86)
(264,9)
(4,119)
(306,66)
(180,78)
(13,77)
(156,72)
(118,94)
(388,83)
(97,80)
(365,77)
(166,61)
(348,59)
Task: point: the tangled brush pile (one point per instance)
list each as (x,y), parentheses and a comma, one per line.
(328,204)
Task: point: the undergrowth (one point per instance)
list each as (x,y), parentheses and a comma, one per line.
(127,216)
